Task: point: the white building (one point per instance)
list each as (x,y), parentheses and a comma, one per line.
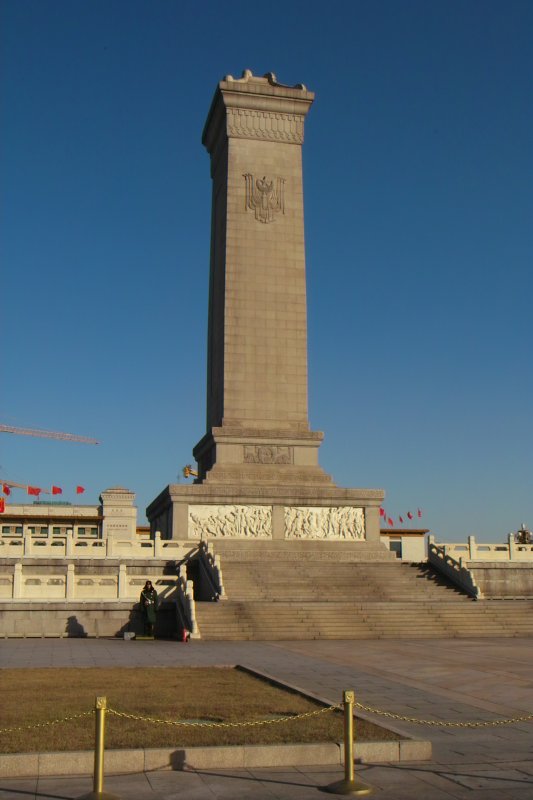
(115,517)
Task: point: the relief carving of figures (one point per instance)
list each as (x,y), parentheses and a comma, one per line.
(337,522)
(245,522)
(267,454)
(264,198)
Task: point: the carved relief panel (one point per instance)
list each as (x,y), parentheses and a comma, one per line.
(336,522)
(268,454)
(265,196)
(227,521)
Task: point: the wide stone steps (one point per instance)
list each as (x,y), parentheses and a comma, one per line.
(334,592)
(275,581)
(234,620)
(344,590)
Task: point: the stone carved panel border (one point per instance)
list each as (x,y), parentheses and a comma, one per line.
(314,522)
(265,196)
(230,521)
(271,126)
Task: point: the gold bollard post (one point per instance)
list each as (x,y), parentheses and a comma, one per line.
(349,785)
(99,744)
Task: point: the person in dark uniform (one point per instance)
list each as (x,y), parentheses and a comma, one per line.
(149,607)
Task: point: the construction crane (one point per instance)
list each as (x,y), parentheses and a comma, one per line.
(68,437)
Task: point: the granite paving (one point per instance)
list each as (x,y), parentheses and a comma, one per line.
(457,680)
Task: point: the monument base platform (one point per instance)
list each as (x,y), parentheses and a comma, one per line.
(221,511)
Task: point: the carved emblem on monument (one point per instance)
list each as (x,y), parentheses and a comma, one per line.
(263,197)
(337,522)
(267,454)
(230,521)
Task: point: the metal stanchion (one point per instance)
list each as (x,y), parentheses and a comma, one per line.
(349,785)
(99,742)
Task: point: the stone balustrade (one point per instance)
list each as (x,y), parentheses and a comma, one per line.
(472,551)
(70,546)
(68,581)
(82,569)
(453,567)
(186,607)
(210,574)
(486,571)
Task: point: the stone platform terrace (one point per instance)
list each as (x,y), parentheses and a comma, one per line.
(449,679)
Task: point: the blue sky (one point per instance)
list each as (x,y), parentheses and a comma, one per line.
(418,200)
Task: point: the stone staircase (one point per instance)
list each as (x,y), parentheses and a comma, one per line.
(318,590)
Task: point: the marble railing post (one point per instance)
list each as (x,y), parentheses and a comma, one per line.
(69,544)
(191,609)
(472,548)
(512,547)
(157,545)
(17,581)
(218,574)
(70,587)
(27,540)
(122,581)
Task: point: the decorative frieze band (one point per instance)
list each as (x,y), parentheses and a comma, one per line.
(245,123)
(231,474)
(227,521)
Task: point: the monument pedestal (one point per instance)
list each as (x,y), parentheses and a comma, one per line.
(223,511)
(245,455)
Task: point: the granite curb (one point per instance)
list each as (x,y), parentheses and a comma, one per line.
(123,762)
(358,713)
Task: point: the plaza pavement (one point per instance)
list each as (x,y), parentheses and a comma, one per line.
(454,679)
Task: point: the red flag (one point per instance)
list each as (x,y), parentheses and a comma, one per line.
(2,505)
(390,521)
(80,489)
(409,515)
(6,490)
(57,490)
(34,490)
(419,512)
(401,519)
(381,512)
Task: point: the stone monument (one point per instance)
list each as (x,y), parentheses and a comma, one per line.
(258,470)
(119,513)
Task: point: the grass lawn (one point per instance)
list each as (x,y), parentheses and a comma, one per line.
(31,696)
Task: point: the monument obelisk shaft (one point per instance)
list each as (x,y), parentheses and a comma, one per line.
(257,338)
(258,471)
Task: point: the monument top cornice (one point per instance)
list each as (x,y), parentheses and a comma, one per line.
(256,97)
(267,83)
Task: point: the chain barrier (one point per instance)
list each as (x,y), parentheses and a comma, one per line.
(442,724)
(139,718)
(249,724)
(277,720)
(46,724)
